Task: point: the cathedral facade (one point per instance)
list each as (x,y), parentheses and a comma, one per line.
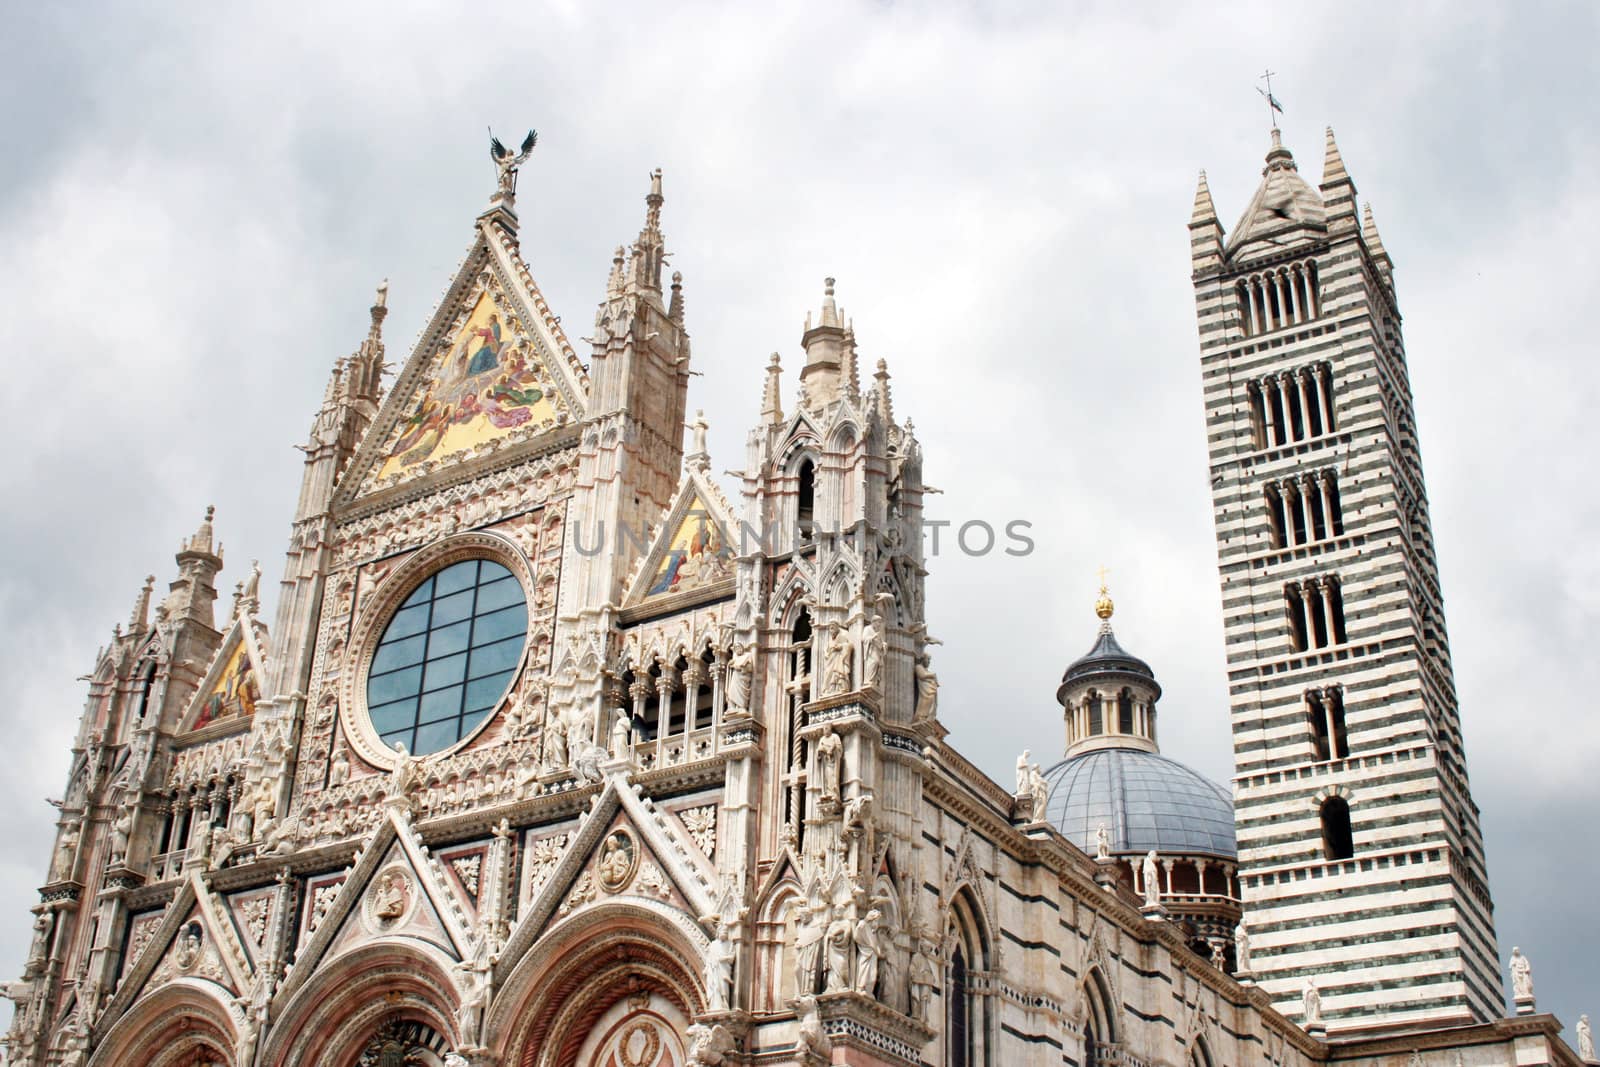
(558,755)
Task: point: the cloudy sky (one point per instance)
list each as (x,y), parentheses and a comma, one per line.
(194,211)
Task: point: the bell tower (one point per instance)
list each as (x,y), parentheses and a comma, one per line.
(1360,857)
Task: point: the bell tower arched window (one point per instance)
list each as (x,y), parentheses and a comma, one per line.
(1338,842)
(806,511)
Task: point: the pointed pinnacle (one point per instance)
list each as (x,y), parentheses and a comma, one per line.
(1204,209)
(1369,233)
(1332,162)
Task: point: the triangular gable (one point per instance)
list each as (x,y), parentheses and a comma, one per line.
(654,864)
(397,905)
(492,370)
(418,902)
(694,546)
(195,939)
(232,684)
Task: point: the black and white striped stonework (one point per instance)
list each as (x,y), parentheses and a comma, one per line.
(1360,856)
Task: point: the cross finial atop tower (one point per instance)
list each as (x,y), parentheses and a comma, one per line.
(1274,109)
(1103,605)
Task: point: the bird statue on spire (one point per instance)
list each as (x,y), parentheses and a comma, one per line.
(507,162)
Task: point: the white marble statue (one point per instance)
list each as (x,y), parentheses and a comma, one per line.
(838,659)
(555,740)
(1311,1004)
(871,656)
(1521,975)
(811,925)
(927,684)
(1024,778)
(737,697)
(1585,1040)
(1241,948)
(403,775)
(1152,880)
(922,980)
(830,759)
(1039,787)
(621,729)
(719,970)
(838,941)
(1102,842)
(868,953)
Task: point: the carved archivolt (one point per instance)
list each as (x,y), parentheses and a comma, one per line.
(183,1022)
(331,1018)
(553,996)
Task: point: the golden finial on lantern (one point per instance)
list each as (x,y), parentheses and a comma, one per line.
(1103,606)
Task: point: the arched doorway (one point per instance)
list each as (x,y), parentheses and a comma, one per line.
(402,1042)
(641,1030)
(614,985)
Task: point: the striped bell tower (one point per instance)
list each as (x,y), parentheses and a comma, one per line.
(1360,857)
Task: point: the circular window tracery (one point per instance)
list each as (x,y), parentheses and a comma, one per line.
(447,655)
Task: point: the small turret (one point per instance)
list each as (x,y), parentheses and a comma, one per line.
(824,344)
(139,621)
(771,392)
(1109,695)
(192,593)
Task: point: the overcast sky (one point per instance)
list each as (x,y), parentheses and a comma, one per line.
(194,211)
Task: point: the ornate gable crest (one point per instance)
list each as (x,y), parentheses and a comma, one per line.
(194,939)
(694,547)
(492,370)
(232,684)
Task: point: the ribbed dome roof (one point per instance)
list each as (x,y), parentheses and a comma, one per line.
(1144,799)
(1106,657)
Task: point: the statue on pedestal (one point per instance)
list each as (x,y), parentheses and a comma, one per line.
(838,658)
(1311,1004)
(1152,880)
(1521,976)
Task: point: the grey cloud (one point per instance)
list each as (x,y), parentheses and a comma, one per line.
(203,202)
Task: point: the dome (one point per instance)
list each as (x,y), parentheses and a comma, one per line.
(1106,657)
(1144,799)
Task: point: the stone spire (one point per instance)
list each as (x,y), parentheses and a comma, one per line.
(1369,234)
(824,344)
(1338,188)
(1205,231)
(139,621)
(771,392)
(193,592)
(203,539)
(849,372)
(649,249)
(882,398)
(675,308)
(365,369)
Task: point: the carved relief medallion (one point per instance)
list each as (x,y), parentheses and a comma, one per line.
(391,899)
(619,857)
